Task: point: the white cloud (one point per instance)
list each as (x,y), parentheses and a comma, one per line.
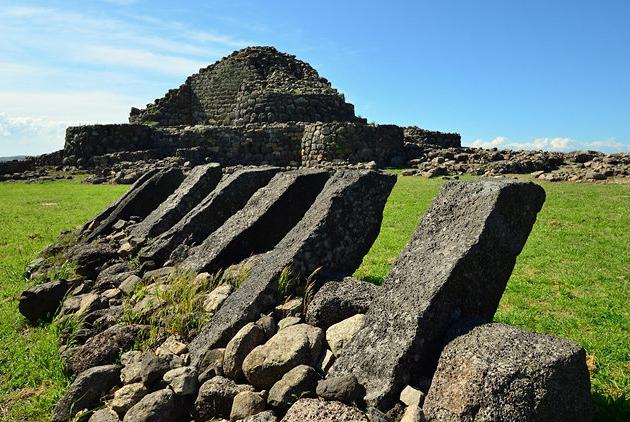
(30,136)
(140,59)
(550,144)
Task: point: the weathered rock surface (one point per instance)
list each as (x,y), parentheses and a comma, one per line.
(299,382)
(219,205)
(89,259)
(345,389)
(499,372)
(266,416)
(127,396)
(314,410)
(266,218)
(141,200)
(334,235)
(245,340)
(339,300)
(216,297)
(86,391)
(246,404)
(216,396)
(104,415)
(296,345)
(341,333)
(103,348)
(43,300)
(159,406)
(197,185)
(456,265)
(183,381)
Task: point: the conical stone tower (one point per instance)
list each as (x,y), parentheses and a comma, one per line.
(252,85)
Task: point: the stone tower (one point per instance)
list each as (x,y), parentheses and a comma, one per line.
(252,85)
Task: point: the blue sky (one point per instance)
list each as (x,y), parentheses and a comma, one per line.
(521,74)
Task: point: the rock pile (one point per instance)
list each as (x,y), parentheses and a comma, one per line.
(279,331)
(575,166)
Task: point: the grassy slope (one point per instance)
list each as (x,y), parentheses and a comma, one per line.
(31,217)
(571,280)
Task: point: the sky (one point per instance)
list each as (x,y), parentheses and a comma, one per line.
(532,74)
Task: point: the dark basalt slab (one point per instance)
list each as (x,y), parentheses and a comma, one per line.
(456,265)
(334,236)
(141,200)
(197,185)
(270,213)
(229,197)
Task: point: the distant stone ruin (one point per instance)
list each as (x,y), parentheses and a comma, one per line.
(214,295)
(259,106)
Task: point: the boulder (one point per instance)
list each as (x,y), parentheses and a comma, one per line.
(159,406)
(345,389)
(299,382)
(103,348)
(229,197)
(142,198)
(183,380)
(339,300)
(411,396)
(246,404)
(211,365)
(456,265)
(333,236)
(197,185)
(296,345)
(314,410)
(288,321)
(216,297)
(104,415)
(341,333)
(266,218)
(216,396)
(499,372)
(413,413)
(86,391)
(126,396)
(43,300)
(266,416)
(89,259)
(245,340)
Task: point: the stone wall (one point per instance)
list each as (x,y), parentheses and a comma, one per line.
(85,142)
(416,135)
(31,163)
(351,142)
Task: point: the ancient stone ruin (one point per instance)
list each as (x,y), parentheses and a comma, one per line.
(259,106)
(213,295)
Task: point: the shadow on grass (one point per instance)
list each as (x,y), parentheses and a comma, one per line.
(611,408)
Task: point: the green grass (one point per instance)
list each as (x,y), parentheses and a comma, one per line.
(31,217)
(571,279)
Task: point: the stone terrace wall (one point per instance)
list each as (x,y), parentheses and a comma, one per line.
(85,142)
(351,142)
(31,163)
(416,135)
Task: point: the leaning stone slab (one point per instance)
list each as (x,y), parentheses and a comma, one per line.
(139,201)
(229,197)
(270,213)
(498,372)
(456,265)
(197,185)
(334,235)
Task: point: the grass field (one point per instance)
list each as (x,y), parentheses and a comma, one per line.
(571,279)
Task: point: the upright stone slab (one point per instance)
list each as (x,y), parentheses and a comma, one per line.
(96,221)
(200,182)
(270,213)
(334,236)
(456,265)
(140,201)
(229,197)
